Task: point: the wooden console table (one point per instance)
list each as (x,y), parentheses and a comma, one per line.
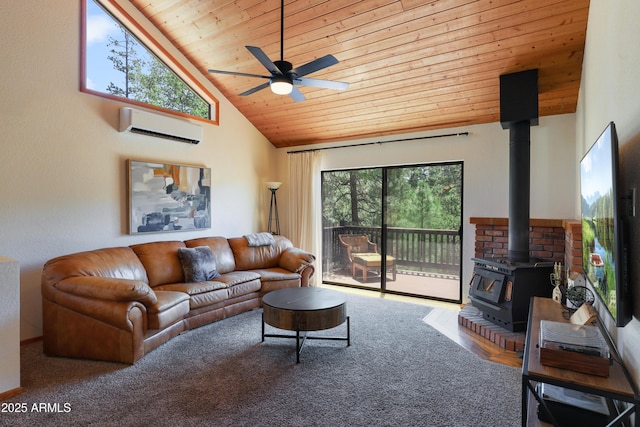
(618,386)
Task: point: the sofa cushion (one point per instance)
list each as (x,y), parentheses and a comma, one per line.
(209,298)
(237,277)
(275,274)
(160,260)
(192,288)
(241,282)
(170,307)
(277,278)
(225,262)
(244,288)
(253,257)
(198,264)
(201,294)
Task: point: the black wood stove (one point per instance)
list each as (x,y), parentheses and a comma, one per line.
(502,288)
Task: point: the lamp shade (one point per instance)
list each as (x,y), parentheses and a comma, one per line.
(272,185)
(281,85)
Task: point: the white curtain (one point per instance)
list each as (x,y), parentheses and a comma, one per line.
(305,214)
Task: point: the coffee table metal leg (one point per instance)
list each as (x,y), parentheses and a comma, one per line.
(301,340)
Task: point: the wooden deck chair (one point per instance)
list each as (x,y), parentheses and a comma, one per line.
(362,254)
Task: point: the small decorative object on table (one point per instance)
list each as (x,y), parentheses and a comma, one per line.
(578,295)
(556,281)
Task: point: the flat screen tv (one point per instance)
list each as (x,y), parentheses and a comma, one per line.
(603,246)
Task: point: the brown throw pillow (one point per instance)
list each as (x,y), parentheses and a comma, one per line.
(198,264)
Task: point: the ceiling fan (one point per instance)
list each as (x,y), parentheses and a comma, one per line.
(282,77)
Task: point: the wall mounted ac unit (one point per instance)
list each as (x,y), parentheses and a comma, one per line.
(160,126)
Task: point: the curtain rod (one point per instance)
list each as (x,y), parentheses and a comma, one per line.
(380,142)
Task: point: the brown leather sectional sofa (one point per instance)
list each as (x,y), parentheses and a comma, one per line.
(118,304)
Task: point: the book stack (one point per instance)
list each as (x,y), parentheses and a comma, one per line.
(572,407)
(580,348)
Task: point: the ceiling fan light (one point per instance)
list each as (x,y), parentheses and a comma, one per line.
(281,85)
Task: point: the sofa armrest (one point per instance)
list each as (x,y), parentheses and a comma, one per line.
(114,313)
(306,274)
(107,288)
(75,326)
(298,261)
(294,259)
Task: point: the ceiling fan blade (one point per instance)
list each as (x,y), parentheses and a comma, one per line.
(264,60)
(234,73)
(296,95)
(326,84)
(315,65)
(255,89)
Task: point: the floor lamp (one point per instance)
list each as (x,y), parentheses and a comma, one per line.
(273,207)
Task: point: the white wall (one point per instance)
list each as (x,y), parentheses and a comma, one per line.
(9,325)
(485,153)
(609,91)
(63,175)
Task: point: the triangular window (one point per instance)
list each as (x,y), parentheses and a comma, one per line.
(118,65)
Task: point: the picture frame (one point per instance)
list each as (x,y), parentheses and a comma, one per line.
(166,197)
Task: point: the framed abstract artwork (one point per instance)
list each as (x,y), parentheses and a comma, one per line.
(167,197)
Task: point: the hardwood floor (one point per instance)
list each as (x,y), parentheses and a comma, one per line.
(445,319)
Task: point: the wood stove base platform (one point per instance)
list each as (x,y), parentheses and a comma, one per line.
(471,318)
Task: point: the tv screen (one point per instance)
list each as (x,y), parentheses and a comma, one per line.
(603,256)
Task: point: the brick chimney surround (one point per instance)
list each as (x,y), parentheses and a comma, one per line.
(559,240)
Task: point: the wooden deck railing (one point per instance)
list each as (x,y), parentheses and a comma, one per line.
(415,249)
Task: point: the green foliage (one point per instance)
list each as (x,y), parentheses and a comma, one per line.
(425,197)
(352,197)
(150,81)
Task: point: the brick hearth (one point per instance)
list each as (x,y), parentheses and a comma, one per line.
(471,318)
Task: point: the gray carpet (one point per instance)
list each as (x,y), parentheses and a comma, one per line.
(398,371)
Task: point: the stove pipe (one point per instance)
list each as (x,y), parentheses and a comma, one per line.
(518,112)
(519,191)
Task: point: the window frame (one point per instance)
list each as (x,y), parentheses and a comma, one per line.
(150,43)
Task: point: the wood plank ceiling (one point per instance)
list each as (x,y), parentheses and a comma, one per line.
(412,65)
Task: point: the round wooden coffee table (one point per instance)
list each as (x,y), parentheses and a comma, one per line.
(304,309)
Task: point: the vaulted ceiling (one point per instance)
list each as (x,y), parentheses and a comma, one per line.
(411,65)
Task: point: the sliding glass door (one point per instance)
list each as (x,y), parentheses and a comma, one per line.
(396,229)
(352,204)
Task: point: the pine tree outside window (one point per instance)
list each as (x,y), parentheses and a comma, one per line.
(118,65)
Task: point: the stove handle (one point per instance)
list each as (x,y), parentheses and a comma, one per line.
(544,264)
(486,304)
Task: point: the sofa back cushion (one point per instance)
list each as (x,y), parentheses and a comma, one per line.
(117,263)
(253,257)
(161,261)
(225,262)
